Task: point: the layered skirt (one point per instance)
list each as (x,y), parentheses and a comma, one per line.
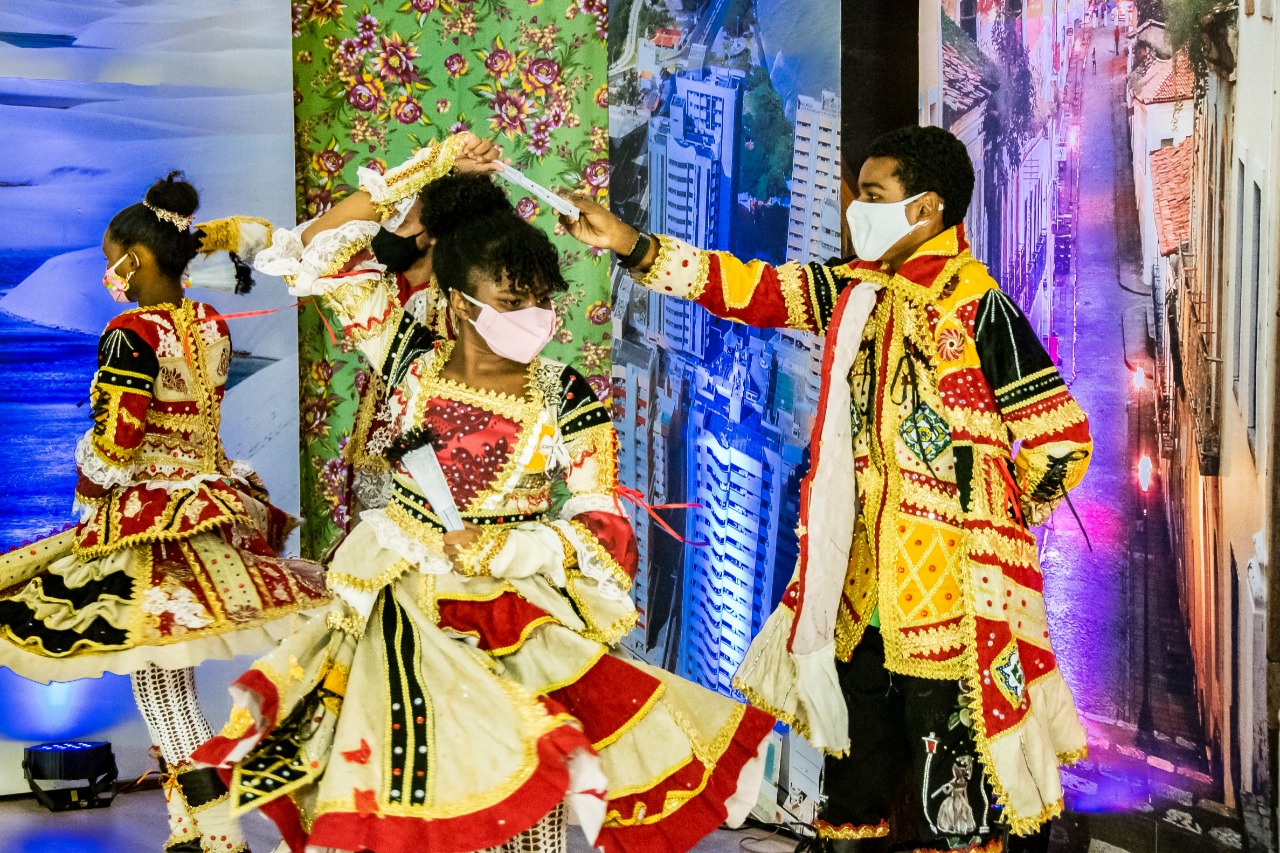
(462,710)
(169,601)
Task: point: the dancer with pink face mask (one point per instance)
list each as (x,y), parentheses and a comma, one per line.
(466,691)
(174,560)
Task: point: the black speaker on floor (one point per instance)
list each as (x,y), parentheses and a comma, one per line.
(90,762)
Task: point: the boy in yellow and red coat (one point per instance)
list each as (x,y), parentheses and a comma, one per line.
(912,644)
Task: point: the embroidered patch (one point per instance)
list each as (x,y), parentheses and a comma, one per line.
(925,433)
(1006,671)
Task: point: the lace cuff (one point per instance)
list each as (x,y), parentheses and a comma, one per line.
(97,470)
(309,269)
(594,562)
(407,180)
(679,270)
(394,538)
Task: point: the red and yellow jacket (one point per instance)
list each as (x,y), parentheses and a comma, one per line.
(960,434)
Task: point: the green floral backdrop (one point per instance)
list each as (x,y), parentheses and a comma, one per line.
(373,82)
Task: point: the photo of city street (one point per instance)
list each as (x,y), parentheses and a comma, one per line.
(1096,131)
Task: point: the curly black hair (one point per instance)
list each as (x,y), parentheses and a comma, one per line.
(930,159)
(456,198)
(137,224)
(498,244)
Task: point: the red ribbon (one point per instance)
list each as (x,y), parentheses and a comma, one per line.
(637,498)
(236,315)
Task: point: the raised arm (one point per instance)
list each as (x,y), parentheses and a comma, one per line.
(330,258)
(791,295)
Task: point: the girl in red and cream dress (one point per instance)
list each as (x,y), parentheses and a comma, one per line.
(174,560)
(468,693)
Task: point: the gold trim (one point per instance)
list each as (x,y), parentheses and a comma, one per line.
(826,830)
(640,714)
(792,285)
(372,584)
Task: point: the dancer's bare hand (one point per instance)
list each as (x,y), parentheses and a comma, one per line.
(456,542)
(477,155)
(597,226)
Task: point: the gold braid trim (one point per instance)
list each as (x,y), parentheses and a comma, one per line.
(1066,759)
(606,559)
(409,179)
(372,584)
(238,724)
(754,697)
(877,830)
(793,287)
(665,250)
(223,235)
(640,714)
(348,623)
(707,753)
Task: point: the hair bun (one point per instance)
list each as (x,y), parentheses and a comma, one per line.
(458,198)
(174,194)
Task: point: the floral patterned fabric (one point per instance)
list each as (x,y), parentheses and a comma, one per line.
(376,81)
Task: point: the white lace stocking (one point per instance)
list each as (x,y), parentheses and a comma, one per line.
(168,702)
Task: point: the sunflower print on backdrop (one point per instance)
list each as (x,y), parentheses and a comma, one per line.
(373,82)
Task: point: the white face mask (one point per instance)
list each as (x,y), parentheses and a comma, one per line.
(876,227)
(515,335)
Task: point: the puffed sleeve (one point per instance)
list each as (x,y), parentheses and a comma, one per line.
(121,394)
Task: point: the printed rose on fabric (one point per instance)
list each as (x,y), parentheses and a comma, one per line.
(602,97)
(395,62)
(421,7)
(602,386)
(329,162)
(527,208)
(377,164)
(180,606)
(499,62)
(540,76)
(596,177)
(366,92)
(456,65)
(599,313)
(406,110)
(509,112)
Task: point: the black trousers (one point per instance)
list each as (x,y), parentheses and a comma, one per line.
(912,760)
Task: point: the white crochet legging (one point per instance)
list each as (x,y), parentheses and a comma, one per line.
(546,836)
(167,700)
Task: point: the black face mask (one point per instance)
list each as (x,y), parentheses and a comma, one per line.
(394,252)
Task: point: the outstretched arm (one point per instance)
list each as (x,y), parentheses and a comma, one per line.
(792,295)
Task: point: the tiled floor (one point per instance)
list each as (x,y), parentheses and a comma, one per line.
(135,823)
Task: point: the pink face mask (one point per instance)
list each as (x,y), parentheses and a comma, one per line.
(118,285)
(515,335)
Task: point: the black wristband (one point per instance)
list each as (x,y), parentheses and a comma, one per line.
(637,254)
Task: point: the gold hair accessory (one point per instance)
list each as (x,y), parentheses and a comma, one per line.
(182,223)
